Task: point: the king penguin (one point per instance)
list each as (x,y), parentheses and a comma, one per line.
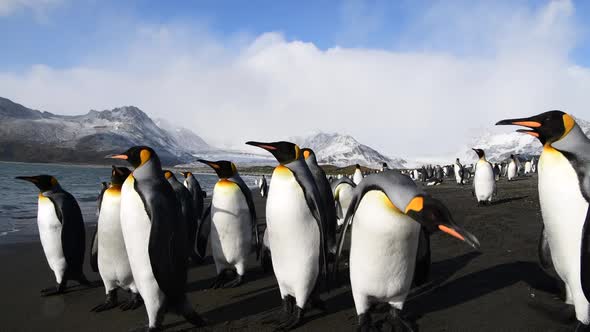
(155,238)
(189,214)
(233,225)
(62,232)
(295,226)
(193,186)
(563,207)
(484,183)
(512,171)
(459,172)
(109,246)
(263,187)
(386,214)
(342,189)
(357,177)
(326,197)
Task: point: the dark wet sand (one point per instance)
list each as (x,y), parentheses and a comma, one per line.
(499,289)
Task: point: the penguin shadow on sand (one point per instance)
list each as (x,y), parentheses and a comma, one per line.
(507,200)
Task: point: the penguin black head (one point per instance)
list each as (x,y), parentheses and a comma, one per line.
(357,166)
(224,169)
(548,127)
(119,175)
(43,182)
(480,153)
(168,174)
(136,156)
(284,152)
(186,174)
(433,215)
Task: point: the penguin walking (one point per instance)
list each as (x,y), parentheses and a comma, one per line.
(232,229)
(189,214)
(108,249)
(484,183)
(342,189)
(62,233)
(386,214)
(512,171)
(263,187)
(357,176)
(459,172)
(155,238)
(563,207)
(326,197)
(295,225)
(193,186)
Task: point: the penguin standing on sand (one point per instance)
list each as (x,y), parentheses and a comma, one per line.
(342,189)
(565,211)
(263,186)
(198,195)
(62,233)
(497,171)
(189,214)
(108,247)
(459,172)
(527,167)
(512,171)
(155,238)
(484,183)
(232,226)
(357,176)
(386,214)
(326,196)
(295,225)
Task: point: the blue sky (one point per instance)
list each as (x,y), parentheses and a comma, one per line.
(252,64)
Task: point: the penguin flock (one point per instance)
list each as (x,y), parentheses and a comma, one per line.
(151,227)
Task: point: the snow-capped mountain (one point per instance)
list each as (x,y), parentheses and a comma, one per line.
(184,137)
(343,150)
(499,146)
(31,135)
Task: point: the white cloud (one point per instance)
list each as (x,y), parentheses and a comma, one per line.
(410,103)
(38,7)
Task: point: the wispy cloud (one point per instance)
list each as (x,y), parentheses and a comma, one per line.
(423,100)
(38,7)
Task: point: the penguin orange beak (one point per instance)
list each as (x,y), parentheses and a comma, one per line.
(524,122)
(266,146)
(118,156)
(31,179)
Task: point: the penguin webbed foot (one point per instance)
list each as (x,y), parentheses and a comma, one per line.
(135,302)
(365,323)
(51,291)
(292,321)
(222,278)
(237,281)
(581,327)
(398,322)
(109,303)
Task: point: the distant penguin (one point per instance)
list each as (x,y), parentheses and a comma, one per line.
(296,224)
(62,233)
(565,211)
(384,167)
(484,183)
(357,177)
(342,189)
(263,187)
(527,167)
(109,247)
(155,238)
(512,171)
(232,230)
(326,197)
(458,168)
(197,194)
(189,213)
(386,213)
(497,172)
(533,165)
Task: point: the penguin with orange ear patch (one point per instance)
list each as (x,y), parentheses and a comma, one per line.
(386,213)
(563,195)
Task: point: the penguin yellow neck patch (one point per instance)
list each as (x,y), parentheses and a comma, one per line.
(416,204)
(144,156)
(568,124)
(282,171)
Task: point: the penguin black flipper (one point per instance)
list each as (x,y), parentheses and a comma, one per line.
(203,233)
(167,247)
(585,257)
(544,251)
(422,269)
(73,234)
(94,251)
(312,196)
(248,195)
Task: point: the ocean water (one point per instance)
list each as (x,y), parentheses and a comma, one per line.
(18,199)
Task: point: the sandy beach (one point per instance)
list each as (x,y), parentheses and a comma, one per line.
(501,288)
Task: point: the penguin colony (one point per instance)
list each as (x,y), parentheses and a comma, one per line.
(151,227)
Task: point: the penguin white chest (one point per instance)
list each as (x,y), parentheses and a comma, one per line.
(231,234)
(564,211)
(383,252)
(50,234)
(357,177)
(294,236)
(483,181)
(344,194)
(512,169)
